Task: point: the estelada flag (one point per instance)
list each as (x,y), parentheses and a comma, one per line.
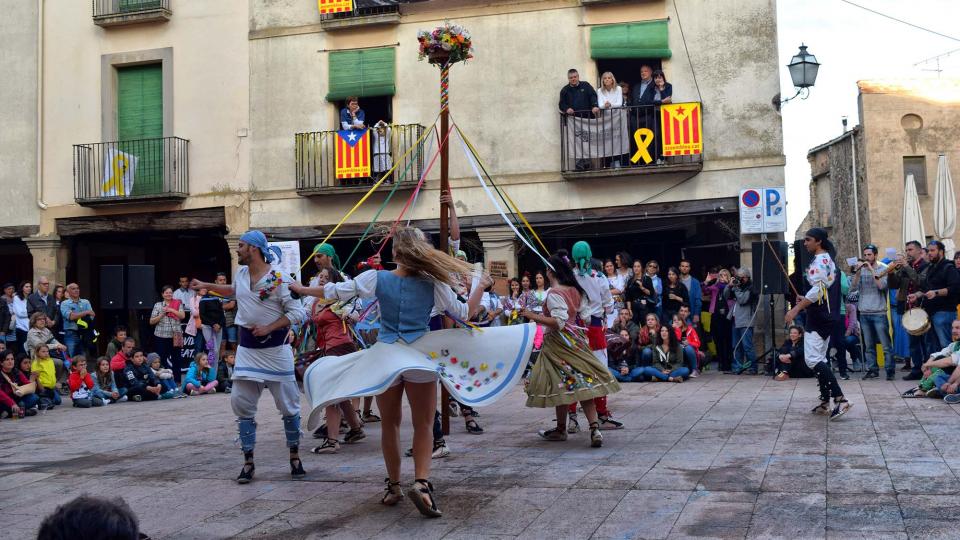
(353,153)
(681,129)
(334,6)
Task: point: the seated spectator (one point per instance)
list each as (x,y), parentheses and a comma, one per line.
(667,359)
(115,344)
(662,90)
(352,116)
(105,384)
(40,334)
(625,323)
(91,517)
(225,372)
(789,363)
(81,385)
(17,396)
(24,364)
(200,378)
(118,363)
(624,358)
(164,375)
(45,372)
(647,338)
(689,339)
(142,384)
(941,377)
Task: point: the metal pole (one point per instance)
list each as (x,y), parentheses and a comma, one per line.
(444,210)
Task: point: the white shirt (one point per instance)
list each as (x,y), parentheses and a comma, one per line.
(598,300)
(185,296)
(19,309)
(613,97)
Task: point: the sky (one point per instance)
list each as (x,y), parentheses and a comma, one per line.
(852,44)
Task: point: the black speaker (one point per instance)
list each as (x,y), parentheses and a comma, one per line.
(141,286)
(768,276)
(801,261)
(111,287)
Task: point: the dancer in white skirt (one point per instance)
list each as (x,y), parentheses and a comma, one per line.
(477,367)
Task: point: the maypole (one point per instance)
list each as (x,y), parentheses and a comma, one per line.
(443,47)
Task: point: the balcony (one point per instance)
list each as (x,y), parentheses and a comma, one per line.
(603,145)
(121,172)
(316,155)
(107,13)
(361,16)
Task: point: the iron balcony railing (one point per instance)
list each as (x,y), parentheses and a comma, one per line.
(608,140)
(362,11)
(316,158)
(106,8)
(115,172)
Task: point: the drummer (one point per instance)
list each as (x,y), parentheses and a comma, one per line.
(906,279)
(939,297)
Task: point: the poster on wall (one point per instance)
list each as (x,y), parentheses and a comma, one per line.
(289,265)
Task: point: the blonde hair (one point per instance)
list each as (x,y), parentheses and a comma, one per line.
(605,73)
(412,250)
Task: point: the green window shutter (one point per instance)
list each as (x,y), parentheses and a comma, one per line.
(633,40)
(137,5)
(140,123)
(362,73)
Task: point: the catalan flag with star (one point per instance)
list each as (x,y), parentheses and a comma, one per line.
(353,153)
(681,129)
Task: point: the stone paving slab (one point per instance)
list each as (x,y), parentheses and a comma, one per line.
(716,457)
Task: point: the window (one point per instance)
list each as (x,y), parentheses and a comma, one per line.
(140,123)
(374,109)
(917,166)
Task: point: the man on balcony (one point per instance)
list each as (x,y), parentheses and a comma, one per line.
(579,99)
(644,93)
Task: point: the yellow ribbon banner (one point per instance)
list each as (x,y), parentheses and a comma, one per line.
(643,138)
(119,169)
(334,6)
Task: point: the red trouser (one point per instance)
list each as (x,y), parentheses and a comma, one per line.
(598,342)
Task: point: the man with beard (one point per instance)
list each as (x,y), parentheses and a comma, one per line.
(940,284)
(906,279)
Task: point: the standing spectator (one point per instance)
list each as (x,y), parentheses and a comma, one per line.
(230,317)
(82,386)
(609,95)
(20,313)
(15,400)
(185,295)
(741,292)
(492,313)
(212,321)
(646,113)
(165,319)
(625,91)
(59,293)
(870,281)
(641,294)
(513,303)
(662,90)
(73,309)
(579,99)
(838,340)
(644,91)
(906,279)
(851,338)
(674,294)
(652,270)
(43,300)
(694,290)
(352,116)
(8,334)
(720,327)
(617,285)
(941,286)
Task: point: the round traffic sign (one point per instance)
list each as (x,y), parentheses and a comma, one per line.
(750,198)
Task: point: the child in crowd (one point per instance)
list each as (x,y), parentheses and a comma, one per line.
(105,384)
(164,375)
(225,372)
(142,384)
(200,378)
(119,335)
(81,385)
(45,372)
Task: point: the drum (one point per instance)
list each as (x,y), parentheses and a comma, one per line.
(916,322)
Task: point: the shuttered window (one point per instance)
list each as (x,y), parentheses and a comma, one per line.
(646,39)
(362,73)
(140,123)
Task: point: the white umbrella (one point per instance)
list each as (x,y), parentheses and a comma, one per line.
(945,207)
(912,219)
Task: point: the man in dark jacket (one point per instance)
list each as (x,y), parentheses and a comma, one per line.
(142,384)
(940,286)
(578,97)
(42,300)
(906,280)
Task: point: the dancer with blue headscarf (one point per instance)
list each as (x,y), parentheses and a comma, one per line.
(265,313)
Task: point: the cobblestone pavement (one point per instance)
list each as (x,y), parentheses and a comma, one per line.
(716,457)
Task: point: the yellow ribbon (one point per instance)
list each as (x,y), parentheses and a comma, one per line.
(120,166)
(512,204)
(366,196)
(643,138)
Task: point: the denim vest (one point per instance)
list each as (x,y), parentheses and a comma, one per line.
(405,305)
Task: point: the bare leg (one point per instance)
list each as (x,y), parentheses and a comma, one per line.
(390,405)
(350,414)
(423,399)
(589,410)
(333,421)
(562,417)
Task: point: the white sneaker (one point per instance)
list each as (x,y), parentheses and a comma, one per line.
(440,450)
(122,399)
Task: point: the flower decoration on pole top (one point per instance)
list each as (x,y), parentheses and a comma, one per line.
(445,45)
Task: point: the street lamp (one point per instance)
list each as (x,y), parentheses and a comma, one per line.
(803,71)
